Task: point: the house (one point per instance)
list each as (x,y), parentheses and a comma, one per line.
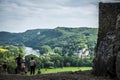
(83,53)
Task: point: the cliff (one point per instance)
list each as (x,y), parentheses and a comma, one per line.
(107,51)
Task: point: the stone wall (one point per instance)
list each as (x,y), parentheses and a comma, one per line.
(107,51)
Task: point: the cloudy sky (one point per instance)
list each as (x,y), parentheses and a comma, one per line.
(21,15)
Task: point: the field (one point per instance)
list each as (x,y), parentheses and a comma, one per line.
(55,70)
(64,69)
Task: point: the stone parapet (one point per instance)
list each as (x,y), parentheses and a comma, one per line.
(108,44)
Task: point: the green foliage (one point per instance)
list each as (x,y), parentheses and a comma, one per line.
(67,64)
(10,54)
(52,60)
(57,60)
(69,39)
(58,50)
(58,47)
(45,49)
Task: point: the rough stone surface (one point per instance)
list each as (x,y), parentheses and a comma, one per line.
(107,51)
(80,75)
(118,65)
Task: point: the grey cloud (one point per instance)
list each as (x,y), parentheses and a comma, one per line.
(79,3)
(109,0)
(27,14)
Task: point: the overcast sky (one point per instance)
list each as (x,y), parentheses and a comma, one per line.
(21,15)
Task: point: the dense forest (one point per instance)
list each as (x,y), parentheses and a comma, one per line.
(58,47)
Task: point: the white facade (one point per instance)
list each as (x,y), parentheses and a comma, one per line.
(82,53)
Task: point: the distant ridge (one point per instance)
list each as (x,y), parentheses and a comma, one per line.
(58,37)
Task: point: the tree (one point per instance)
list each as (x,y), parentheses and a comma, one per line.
(45,49)
(58,50)
(57,60)
(8,54)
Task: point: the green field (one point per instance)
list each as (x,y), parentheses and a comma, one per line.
(64,69)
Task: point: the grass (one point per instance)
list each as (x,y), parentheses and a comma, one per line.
(55,70)
(64,69)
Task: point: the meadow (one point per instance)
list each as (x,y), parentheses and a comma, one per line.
(64,69)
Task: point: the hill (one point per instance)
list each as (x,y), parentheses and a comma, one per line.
(65,38)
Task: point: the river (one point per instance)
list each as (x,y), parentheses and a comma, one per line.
(29,50)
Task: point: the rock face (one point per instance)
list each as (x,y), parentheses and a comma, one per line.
(107,51)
